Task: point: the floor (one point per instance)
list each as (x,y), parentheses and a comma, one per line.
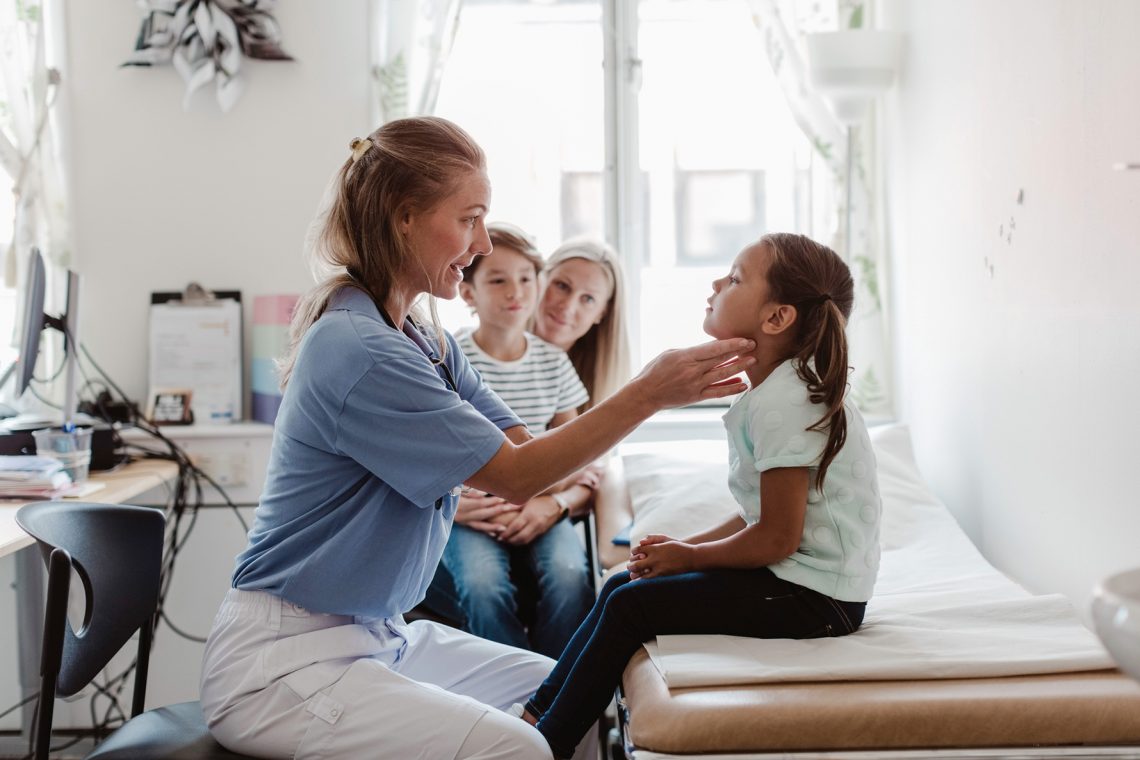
(13,747)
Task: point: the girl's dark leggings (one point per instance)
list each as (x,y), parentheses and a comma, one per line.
(751,603)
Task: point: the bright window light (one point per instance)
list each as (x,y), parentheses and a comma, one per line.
(720,160)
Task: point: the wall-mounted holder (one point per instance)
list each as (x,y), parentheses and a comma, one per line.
(850,68)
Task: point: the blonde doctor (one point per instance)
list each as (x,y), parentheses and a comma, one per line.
(381,422)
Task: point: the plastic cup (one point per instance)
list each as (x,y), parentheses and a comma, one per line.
(71,447)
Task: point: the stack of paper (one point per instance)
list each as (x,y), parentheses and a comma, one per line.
(32,477)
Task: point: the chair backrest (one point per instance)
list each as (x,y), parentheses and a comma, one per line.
(117,552)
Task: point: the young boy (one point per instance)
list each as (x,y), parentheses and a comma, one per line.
(519,572)
(534,377)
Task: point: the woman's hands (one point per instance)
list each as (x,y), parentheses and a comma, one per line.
(687,375)
(657,555)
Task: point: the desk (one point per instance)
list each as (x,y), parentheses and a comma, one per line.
(120,486)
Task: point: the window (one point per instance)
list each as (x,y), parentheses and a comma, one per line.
(705,154)
(718,213)
(526,80)
(7,295)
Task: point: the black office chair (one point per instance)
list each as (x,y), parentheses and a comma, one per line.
(117,552)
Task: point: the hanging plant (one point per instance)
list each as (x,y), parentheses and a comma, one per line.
(205,39)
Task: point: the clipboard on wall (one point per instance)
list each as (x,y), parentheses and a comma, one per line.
(196,344)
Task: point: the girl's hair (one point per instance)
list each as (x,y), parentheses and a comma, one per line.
(601,356)
(815,280)
(508,236)
(405,165)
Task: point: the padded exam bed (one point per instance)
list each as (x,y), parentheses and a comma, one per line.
(1012,675)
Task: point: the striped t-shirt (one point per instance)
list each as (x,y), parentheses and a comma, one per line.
(536,386)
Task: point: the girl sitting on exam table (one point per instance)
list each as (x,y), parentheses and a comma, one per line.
(801,559)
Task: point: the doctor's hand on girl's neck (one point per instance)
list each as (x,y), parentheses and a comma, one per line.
(742,306)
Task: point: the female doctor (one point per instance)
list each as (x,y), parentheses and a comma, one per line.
(382,419)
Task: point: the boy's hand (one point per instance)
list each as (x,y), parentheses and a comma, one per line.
(657,555)
(532,520)
(478,511)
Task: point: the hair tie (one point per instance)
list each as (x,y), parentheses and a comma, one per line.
(359,147)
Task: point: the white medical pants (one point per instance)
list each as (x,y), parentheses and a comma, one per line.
(281,682)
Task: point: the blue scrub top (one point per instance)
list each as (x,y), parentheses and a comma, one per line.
(369,437)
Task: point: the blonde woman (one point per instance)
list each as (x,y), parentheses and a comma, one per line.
(582,311)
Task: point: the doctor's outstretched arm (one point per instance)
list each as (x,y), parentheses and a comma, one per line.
(519,471)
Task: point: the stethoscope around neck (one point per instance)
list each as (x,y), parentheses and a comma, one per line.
(435,362)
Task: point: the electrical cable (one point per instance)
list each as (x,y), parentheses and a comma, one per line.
(19,704)
(43,400)
(181,511)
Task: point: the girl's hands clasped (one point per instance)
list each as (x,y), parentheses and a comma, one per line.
(657,555)
(687,375)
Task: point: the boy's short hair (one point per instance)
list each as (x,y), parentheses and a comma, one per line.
(508,236)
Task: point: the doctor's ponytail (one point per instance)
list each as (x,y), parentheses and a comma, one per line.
(405,165)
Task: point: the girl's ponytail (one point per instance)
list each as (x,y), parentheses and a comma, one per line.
(815,280)
(822,364)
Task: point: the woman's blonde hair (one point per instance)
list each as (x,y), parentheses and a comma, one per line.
(813,278)
(407,165)
(601,356)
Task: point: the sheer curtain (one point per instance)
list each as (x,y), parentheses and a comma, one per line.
(413,41)
(782,25)
(30,137)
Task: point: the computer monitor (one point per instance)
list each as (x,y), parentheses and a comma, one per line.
(33,321)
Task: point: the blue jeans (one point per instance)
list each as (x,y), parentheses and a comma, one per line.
(751,603)
(531,597)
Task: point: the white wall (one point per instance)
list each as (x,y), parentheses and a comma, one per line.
(1017,354)
(162,196)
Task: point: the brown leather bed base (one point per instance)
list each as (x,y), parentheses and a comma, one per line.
(1095,708)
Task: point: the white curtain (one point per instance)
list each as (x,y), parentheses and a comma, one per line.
(782,25)
(413,41)
(29,138)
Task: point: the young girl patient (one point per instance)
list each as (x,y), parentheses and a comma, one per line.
(800,561)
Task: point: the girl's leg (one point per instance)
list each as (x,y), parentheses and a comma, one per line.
(544,697)
(481,570)
(558,562)
(737,602)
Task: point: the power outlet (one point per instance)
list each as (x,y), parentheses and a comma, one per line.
(228,468)
(235,456)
